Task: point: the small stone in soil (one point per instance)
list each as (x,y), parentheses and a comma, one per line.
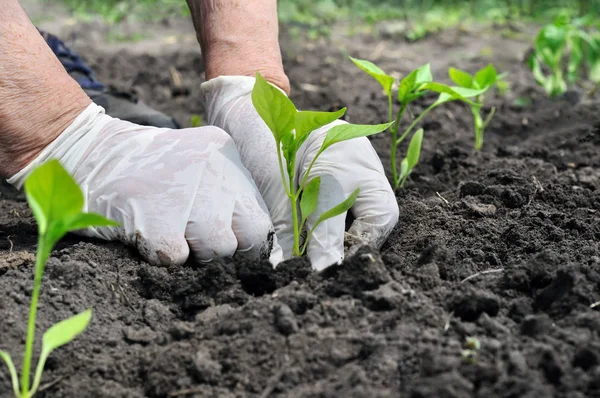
(285,320)
(536,325)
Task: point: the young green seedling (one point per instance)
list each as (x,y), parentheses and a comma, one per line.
(559,53)
(484,79)
(413,86)
(291,128)
(56,202)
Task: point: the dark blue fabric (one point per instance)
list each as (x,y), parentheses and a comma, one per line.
(73,63)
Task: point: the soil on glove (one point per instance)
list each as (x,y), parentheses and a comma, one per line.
(502,246)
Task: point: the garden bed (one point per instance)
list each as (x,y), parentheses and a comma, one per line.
(502,245)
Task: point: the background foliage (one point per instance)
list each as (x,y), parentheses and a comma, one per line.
(314,12)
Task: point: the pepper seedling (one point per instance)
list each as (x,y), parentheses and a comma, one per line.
(560,51)
(484,79)
(291,128)
(56,202)
(413,86)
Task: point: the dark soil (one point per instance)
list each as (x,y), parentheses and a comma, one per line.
(383,324)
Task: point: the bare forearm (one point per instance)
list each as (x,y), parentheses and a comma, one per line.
(239,38)
(38,99)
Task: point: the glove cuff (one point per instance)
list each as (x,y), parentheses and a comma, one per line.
(70,145)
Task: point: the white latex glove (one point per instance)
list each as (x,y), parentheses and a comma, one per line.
(343,168)
(171,190)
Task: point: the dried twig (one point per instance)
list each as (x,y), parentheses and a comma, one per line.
(176,76)
(596,304)
(12,245)
(489,271)
(51,384)
(447,324)
(442,198)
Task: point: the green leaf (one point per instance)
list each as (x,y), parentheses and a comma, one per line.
(344,132)
(412,82)
(58,335)
(310,197)
(274,107)
(414,149)
(404,171)
(65,331)
(339,209)
(462,78)
(550,44)
(536,68)
(453,91)
(85,220)
(52,194)
(308,121)
(13,372)
(423,74)
(576,59)
(448,93)
(376,73)
(486,77)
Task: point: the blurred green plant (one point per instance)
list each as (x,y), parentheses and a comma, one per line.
(197,120)
(565,52)
(315,14)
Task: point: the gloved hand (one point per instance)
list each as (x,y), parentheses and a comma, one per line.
(343,168)
(171,190)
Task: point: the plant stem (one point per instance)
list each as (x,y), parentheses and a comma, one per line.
(478,124)
(40,263)
(296,248)
(285,184)
(394,130)
(415,122)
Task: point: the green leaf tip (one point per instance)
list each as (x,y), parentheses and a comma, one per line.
(344,132)
(340,208)
(386,81)
(65,331)
(460,77)
(310,197)
(274,107)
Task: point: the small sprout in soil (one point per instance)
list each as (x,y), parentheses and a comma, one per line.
(56,202)
(196,120)
(471,349)
(562,50)
(484,79)
(291,128)
(412,87)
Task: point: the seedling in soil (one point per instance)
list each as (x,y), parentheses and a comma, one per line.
(291,128)
(196,121)
(560,52)
(484,79)
(471,349)
(413,86)
(56,202)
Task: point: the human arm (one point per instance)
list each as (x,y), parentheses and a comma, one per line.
(174,192)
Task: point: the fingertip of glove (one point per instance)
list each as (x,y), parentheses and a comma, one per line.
(321,259)
(164,254)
